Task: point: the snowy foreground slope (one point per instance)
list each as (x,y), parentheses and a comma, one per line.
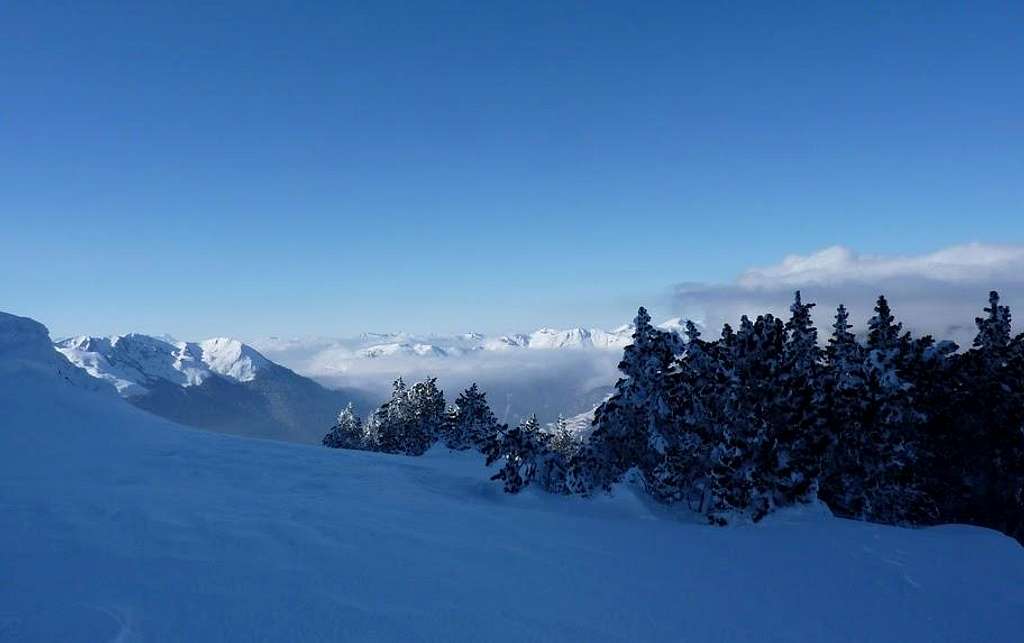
(116,525)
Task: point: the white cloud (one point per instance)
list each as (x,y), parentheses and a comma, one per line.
(939,293)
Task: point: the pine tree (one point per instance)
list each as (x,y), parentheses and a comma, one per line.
(384,429)
(990,421)
(410,422)
(883,332)
(894,492)
(471,421)
(800,437)
(347,433)
(843,476)
(563,440)
(426,417)
(746,450)
(931,369)
(993,329)
(693,469)
(518,448)
(634,427)
(555,451)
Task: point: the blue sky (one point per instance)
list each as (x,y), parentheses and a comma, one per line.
(259,168)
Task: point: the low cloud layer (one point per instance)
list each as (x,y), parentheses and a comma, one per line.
(939,293)
(518,382)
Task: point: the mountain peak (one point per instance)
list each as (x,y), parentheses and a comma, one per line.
(232,358)
(133,362)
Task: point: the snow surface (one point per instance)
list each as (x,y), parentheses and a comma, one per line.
(118,526)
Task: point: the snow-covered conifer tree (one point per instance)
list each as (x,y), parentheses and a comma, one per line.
(993,329)
(800,434)
(471,421)
(743,456)
(893,491)
(634,427)
(347,433)
(426,418)
(699,384)
(410,422)
(518,448)
(563,440)
(842,485)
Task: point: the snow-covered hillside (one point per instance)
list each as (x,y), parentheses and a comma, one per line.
(119,526)
(219,384)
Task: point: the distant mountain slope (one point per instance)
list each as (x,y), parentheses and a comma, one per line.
(218,384)
(120,526)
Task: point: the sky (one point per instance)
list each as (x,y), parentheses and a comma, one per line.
(285,168)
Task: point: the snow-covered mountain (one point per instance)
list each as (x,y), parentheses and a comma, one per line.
(120,526)
(219,384)
(131,362)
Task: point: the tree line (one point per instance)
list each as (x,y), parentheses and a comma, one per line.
(889,428)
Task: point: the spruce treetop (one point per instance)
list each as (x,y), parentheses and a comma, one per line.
(883,332)
(993,329)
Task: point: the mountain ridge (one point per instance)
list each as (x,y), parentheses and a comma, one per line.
(220,384)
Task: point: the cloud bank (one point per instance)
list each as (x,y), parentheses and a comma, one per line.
(939,293)
(518,381)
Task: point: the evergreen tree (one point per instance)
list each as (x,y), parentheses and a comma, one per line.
(900,430)
(471,421)
(893,490)
(842,486)
(563,440)
(634,427)
(410,422)
(993,329)
(586,471)
(701,457)
(883,331)
(800,437)
(384,429)
(518,448)
(747,451)
(347,433)
(555,451)
(990,422)
(931,368)
(426,417)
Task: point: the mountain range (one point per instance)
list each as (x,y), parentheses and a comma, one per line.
(218,384)
(226,385)
(327,356)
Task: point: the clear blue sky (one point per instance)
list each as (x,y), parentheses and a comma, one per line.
(253,168)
